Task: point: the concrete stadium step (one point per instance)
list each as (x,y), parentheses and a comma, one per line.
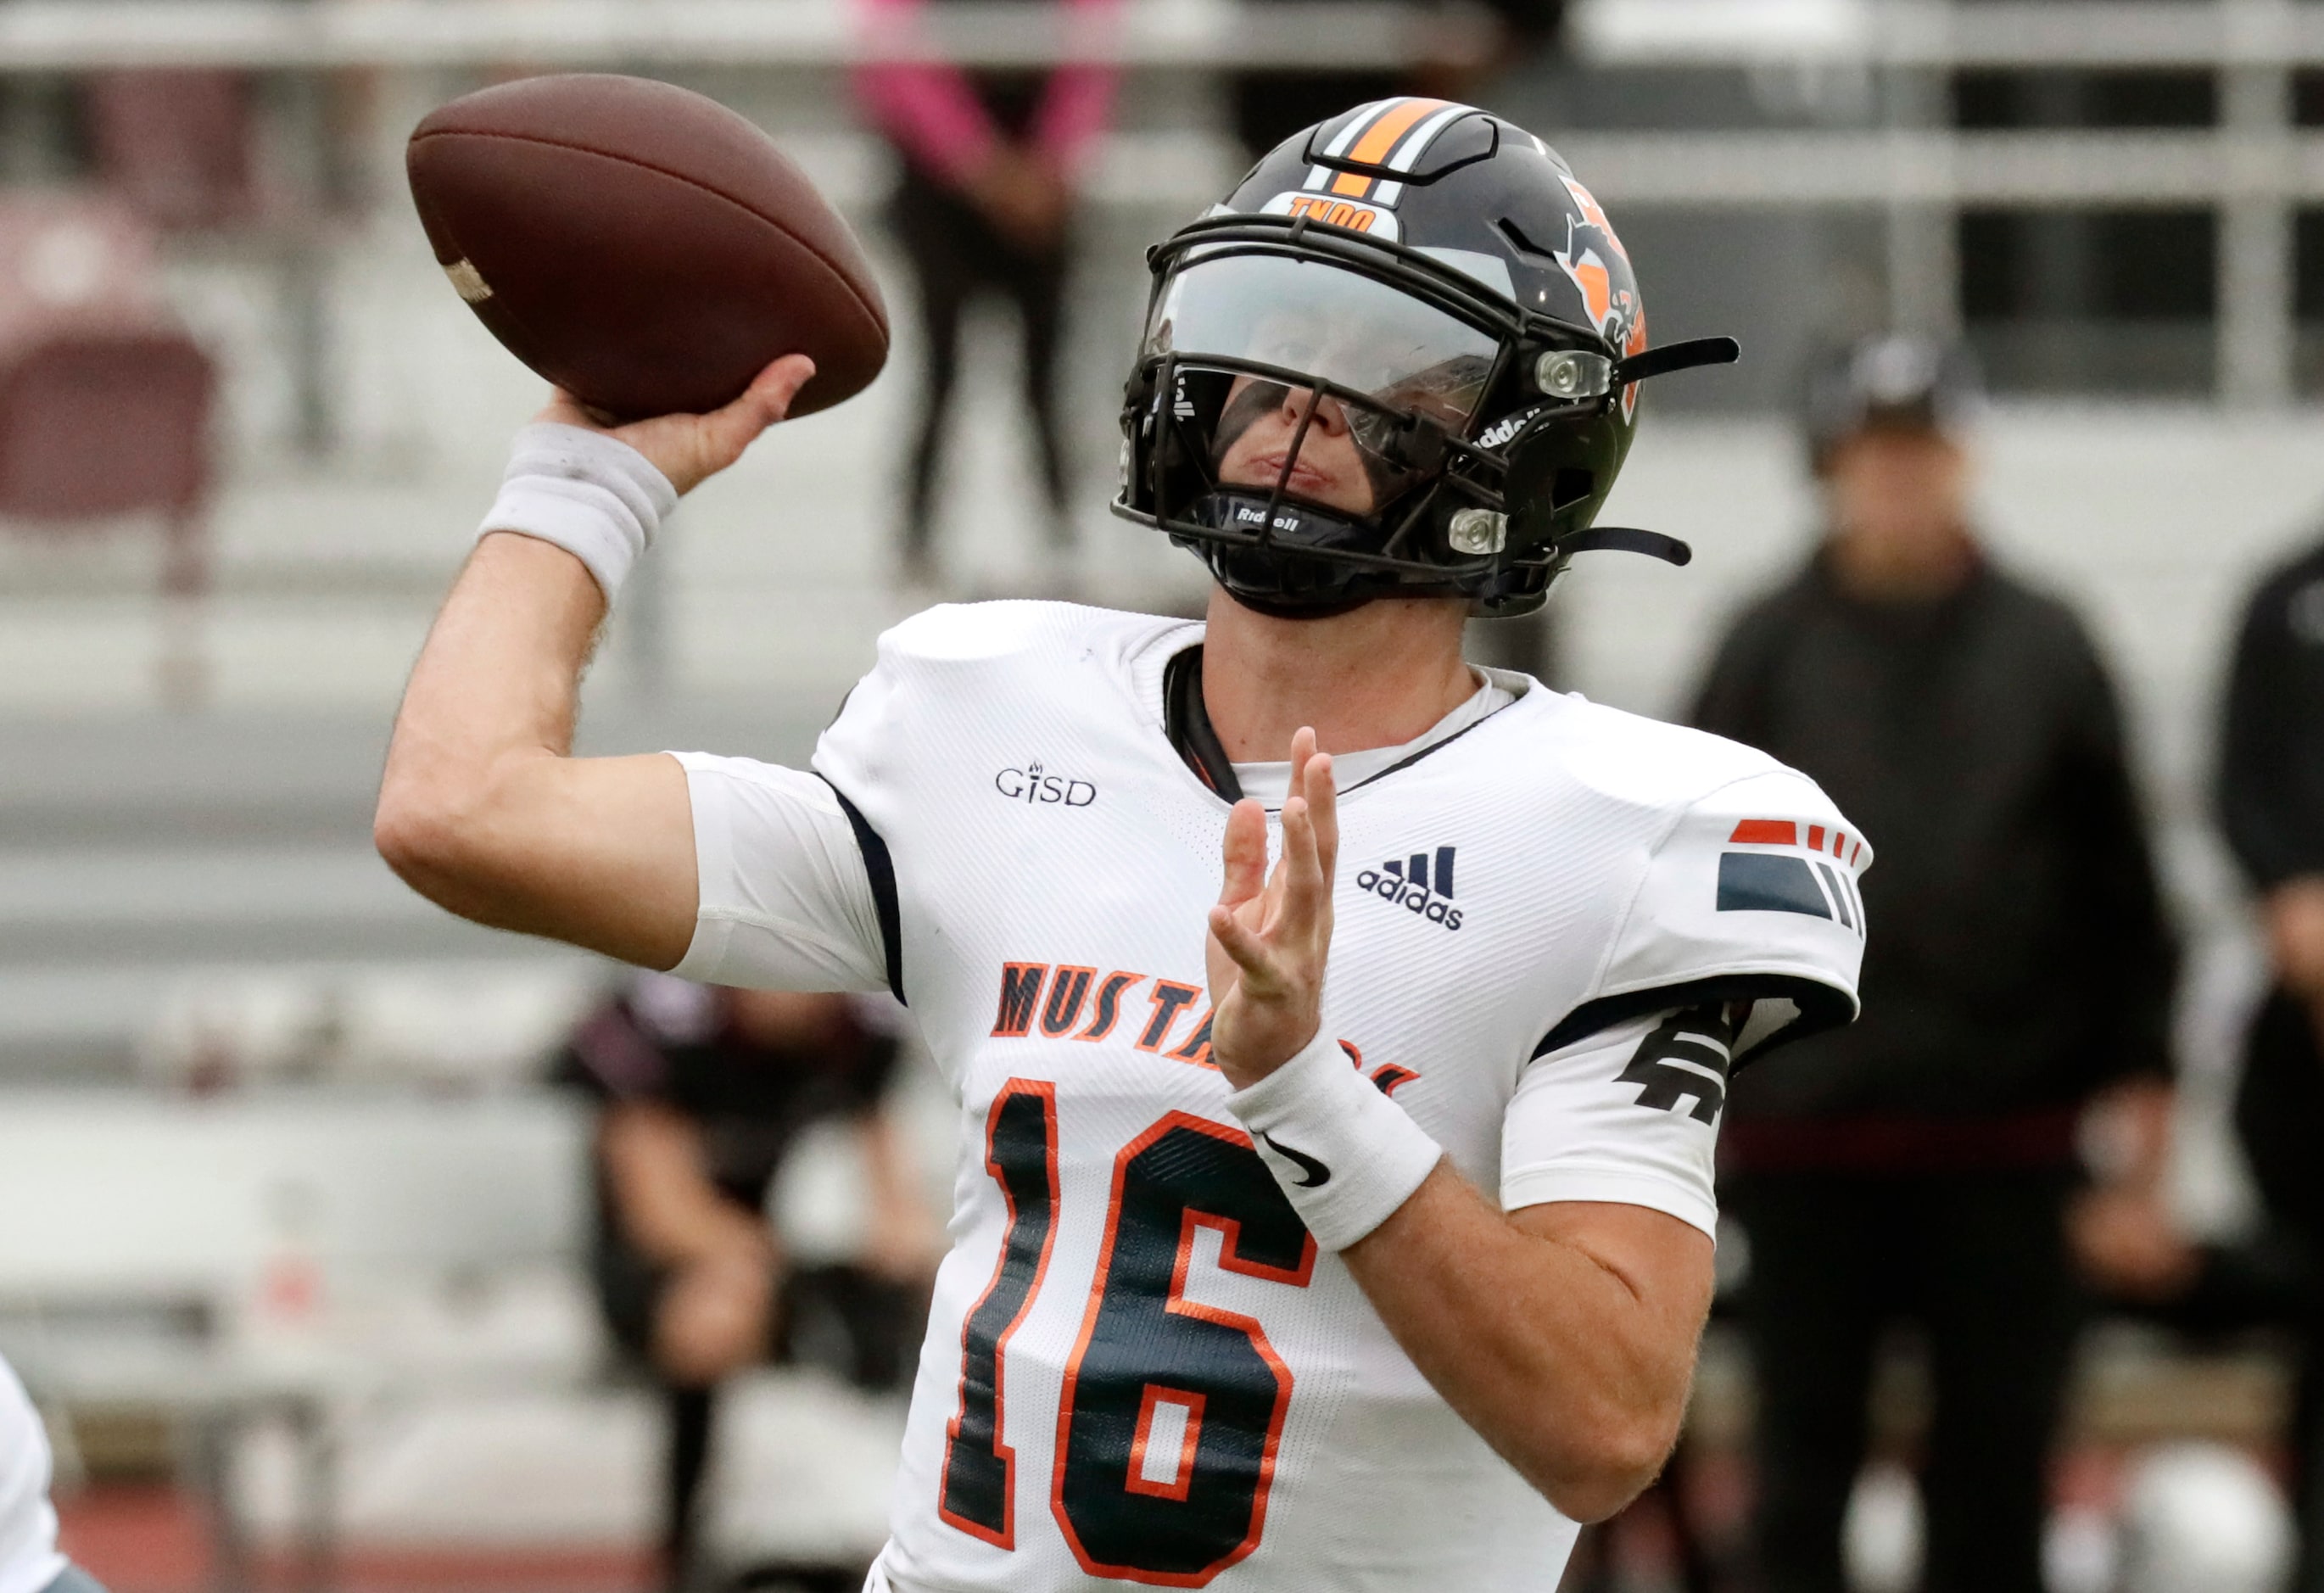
(142,853)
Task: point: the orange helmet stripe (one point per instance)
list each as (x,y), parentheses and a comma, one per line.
(1392,123)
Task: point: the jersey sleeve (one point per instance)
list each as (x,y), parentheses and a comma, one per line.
(785,900)
(1750,897)
(1628,1115)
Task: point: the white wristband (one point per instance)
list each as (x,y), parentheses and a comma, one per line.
(1345,1154)
(592,496)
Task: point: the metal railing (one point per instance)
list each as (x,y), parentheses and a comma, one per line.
(2256,167)
(1930,34)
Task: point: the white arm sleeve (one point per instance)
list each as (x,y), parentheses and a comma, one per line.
(786,904)
(1628,1115)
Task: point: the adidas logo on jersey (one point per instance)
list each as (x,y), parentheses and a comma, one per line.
(1411,884)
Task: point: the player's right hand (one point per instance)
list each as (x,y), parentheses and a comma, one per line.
(689,449)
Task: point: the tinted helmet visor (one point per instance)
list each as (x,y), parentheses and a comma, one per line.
(1302,380)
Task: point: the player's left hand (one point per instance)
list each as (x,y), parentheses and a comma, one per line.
(1270,938)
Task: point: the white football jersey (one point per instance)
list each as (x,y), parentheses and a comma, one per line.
(1139,1367)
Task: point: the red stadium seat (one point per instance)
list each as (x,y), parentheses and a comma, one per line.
(104,397)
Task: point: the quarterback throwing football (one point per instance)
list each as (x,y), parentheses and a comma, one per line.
(1341,1223)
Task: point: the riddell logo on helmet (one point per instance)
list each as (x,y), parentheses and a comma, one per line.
(1505,430)
(1334,211)
(1253,515)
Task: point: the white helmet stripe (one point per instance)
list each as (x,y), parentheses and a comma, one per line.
(1317,176)
(1407,155)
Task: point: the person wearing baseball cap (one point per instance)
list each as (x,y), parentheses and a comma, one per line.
(1920,1164)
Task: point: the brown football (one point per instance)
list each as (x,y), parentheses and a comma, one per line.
(644,248)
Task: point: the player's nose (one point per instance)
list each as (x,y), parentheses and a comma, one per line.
(1330,414)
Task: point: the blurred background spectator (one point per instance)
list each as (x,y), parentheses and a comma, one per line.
(2271,807)
(984,204)
(701,1094)
(2272,789)
(1916,1165)
(1270,107)
(2271,804)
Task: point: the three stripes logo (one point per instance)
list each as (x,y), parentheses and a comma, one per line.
(1820,884)
(1419,884)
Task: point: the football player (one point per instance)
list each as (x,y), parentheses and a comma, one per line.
(1338,1223)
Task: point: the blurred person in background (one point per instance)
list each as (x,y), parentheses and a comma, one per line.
(2270,800)
(703,1092)
(1271,104)
(1919,1164)
(2270,806)
(992,163)
(29,1560)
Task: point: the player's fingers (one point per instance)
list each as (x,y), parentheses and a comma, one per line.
(766,400)
(1244,853)
(775,389)
(1320,787)
(1312,780)
(1302,869)
(1242,945)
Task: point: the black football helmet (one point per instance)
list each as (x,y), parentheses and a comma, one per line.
(1401,358)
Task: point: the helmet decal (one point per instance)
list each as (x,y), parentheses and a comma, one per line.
(1392,133)
(1334,211)
(1389,134)
(1618,312)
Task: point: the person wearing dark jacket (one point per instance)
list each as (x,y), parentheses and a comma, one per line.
(2270,806)
(1918,1164)
(2271,785)
(1270,104)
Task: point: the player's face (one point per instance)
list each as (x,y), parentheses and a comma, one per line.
(1326,470)
(1381,355)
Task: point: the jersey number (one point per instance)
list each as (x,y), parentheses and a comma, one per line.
(1170,1412)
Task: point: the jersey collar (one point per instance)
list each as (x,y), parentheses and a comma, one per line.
(1186,722)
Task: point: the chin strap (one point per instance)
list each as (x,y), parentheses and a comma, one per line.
(1628,539)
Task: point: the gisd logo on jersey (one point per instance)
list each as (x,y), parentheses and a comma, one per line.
(1609,294)
(1333,210)
(1033,783)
